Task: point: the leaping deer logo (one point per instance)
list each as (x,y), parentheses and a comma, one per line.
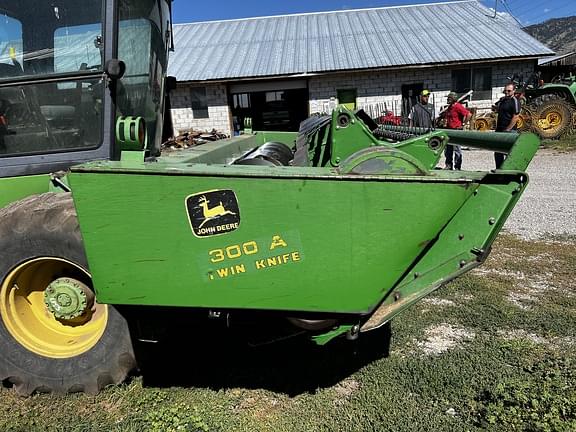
(212,213)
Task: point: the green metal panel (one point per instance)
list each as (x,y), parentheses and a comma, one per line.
(342,242)
(287,138)
(462,245)
(346,134)
(15,188)
(369,237)
(224,151)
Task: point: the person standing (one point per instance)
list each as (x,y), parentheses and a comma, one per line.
(455,116)
(422,114)
(508,112)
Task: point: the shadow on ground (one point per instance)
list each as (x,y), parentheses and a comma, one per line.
(220,361)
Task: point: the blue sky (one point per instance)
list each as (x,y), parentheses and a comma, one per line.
(526,11)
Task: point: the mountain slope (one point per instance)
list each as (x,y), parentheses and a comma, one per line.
(556,33)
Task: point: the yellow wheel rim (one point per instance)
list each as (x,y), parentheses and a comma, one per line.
(554,119)
(481,125)
(29,321)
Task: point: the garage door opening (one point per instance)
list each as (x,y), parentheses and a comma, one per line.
(270,110)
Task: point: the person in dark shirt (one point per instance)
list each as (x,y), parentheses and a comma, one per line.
(422,114)
(455,116)
(508,112)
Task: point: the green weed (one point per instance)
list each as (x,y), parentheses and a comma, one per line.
(179,417)
(543,400)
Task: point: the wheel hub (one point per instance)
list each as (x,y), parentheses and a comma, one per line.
(67,298)
(33,324)
(553,119)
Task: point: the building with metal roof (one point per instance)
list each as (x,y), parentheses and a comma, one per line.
(366,56)
(557,67)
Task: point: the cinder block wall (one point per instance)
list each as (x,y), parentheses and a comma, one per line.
(501,73)
(218,111)
(379,87)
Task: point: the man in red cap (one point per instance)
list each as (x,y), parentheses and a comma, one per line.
(455,116)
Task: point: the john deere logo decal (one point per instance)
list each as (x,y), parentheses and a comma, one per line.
(213,213)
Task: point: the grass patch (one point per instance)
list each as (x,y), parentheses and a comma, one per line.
(567,143)
(545,399)
(493,350)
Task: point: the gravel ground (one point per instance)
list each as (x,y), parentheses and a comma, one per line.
(547,209)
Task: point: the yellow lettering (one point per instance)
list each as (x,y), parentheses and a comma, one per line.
(250,248)
(278,260)
(217,255)
(233,252)
(240,269)
(277,241)
(223,273)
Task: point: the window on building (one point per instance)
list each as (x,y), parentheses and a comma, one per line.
(274,96)
(241,100)
(477,79)
(199,102)
(482,83)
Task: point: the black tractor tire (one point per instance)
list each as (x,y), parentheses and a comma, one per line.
(45,227)
(545,98)
(552,117)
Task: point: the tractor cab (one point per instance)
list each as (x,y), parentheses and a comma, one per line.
(69,70)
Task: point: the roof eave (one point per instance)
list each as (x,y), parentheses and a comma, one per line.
(375,69)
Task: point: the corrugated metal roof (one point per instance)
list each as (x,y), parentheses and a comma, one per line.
(347,40)
(548,60)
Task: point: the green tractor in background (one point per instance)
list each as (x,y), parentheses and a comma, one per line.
(105,243)
(548,109)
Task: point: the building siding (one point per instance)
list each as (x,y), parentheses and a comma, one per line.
(218,111)
(385,86)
